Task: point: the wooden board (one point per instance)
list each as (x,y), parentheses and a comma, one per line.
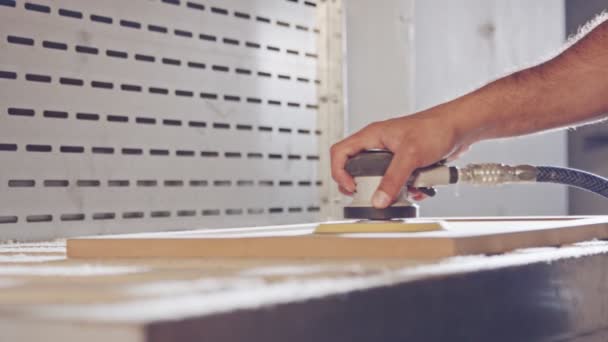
(460,237)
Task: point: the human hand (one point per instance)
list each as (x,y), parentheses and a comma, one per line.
(416,141)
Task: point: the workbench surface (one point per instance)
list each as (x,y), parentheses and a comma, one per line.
(549,293)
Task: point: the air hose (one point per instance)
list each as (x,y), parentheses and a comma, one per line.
(572,177)
(497,174)
(368,168)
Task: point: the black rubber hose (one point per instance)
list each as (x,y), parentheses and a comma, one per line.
(572,177)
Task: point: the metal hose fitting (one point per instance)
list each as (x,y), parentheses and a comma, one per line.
(496,174)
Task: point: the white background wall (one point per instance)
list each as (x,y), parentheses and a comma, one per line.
(405,56)
(379,60)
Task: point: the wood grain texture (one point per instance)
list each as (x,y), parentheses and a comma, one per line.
(457,238)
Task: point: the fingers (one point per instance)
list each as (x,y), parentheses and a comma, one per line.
(394,179)
(345,192)
(340,153)
(416,194)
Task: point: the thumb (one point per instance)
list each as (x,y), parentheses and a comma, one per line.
(394,179)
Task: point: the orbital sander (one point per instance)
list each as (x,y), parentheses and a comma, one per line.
(368,167)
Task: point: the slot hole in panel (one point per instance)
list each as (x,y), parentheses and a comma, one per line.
(183,33)
(39,218)
(72,217)
(219,10)
(130,24)
(102,85)
(234,212)
(38,78)
(210,154)
(245,183)
(133,215)
(144,58)
(55,114)
(20,40)
(117,54)
(8,219)
(242,127)
(242,15)
(185,153)
(8,147)
(38,148)
(222,183)
(87,116)
(147,183)
(255,155)
(117,118)
(70,13)
(104,216)
(88,183)
(255,211)
(198,183)
(171,61)
(195,6)
(197,124)
(21,111)
(266,183)
(101,19)
(103,150)
(56,183)
(145,121)
(21,183)
(159,152)
(71,149)
(118,183)
(157,90)
(30,6)
(8,3)
(186,213)
(132,151)
(8,75)
(160,214)
(157,29)
(87,50)
(196,65)
(174,183)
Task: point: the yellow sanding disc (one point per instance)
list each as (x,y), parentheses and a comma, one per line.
(378,227)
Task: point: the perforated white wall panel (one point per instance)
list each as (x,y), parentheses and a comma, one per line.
(145,115)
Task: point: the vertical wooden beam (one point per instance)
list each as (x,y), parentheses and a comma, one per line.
(331,118)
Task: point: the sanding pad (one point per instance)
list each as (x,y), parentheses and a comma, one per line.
(371,213)
(392,226)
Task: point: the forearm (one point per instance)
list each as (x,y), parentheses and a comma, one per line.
(567,90)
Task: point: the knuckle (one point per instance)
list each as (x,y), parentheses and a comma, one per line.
(336,149)
(333,149)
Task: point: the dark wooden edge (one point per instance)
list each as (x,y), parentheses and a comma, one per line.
(565,300)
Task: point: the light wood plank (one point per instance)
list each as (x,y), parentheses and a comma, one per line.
(458,238)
